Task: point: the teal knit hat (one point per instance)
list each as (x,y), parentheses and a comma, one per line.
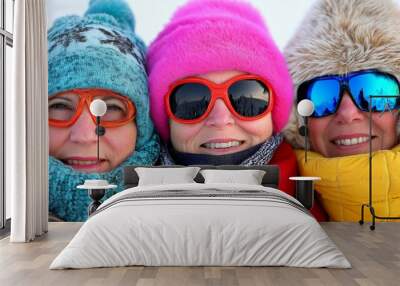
(98,50)
(101,50)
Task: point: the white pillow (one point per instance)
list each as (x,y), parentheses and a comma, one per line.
(163,176)
(249,177)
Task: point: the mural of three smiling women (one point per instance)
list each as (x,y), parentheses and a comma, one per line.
(220,92)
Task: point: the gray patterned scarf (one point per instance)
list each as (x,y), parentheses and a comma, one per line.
(262,154)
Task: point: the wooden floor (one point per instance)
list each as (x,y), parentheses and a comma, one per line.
(374,255)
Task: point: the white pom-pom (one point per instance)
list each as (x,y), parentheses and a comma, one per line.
(98,107)
(305,107)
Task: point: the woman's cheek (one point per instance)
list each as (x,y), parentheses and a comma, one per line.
(183,136)
(58,137)
(260,130)
(121,141)
(386,125)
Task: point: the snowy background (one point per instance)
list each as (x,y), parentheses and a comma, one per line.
(281,16)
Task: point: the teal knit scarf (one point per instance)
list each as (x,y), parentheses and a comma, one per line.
(69,203)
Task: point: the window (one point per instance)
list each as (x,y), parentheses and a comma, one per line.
(6,44)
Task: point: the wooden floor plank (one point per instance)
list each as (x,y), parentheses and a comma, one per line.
(374,255)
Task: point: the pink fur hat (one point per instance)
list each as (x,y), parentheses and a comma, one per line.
(216,35)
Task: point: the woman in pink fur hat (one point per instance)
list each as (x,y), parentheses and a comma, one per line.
(220,90)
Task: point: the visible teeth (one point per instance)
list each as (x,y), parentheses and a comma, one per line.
(81,162)
(222,145)
(353,141)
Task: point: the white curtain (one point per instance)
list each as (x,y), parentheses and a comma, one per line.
(27,124)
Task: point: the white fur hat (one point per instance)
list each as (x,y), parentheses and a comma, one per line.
(342,36)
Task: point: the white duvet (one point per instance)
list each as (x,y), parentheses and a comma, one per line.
(207,230)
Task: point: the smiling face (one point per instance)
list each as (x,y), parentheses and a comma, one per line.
(347,131)
(76,145)
(221,132)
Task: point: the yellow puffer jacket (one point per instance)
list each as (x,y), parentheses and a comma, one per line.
(344,186)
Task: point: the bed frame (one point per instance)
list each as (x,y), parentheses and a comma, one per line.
(270,179)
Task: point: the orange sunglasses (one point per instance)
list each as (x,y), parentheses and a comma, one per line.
(190,100)
(66,107)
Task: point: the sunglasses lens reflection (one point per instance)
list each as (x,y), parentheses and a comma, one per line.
(249,98)
(190,100)
(364,85)
(325,94)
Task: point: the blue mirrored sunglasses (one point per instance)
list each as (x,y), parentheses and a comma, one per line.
(326,92)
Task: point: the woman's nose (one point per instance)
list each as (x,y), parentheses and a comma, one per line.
(83,130)
(347,111)
(220,115)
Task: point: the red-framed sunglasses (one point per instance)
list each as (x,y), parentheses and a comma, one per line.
(66,107)
(190,100)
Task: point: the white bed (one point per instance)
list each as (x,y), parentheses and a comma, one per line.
(196,224)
